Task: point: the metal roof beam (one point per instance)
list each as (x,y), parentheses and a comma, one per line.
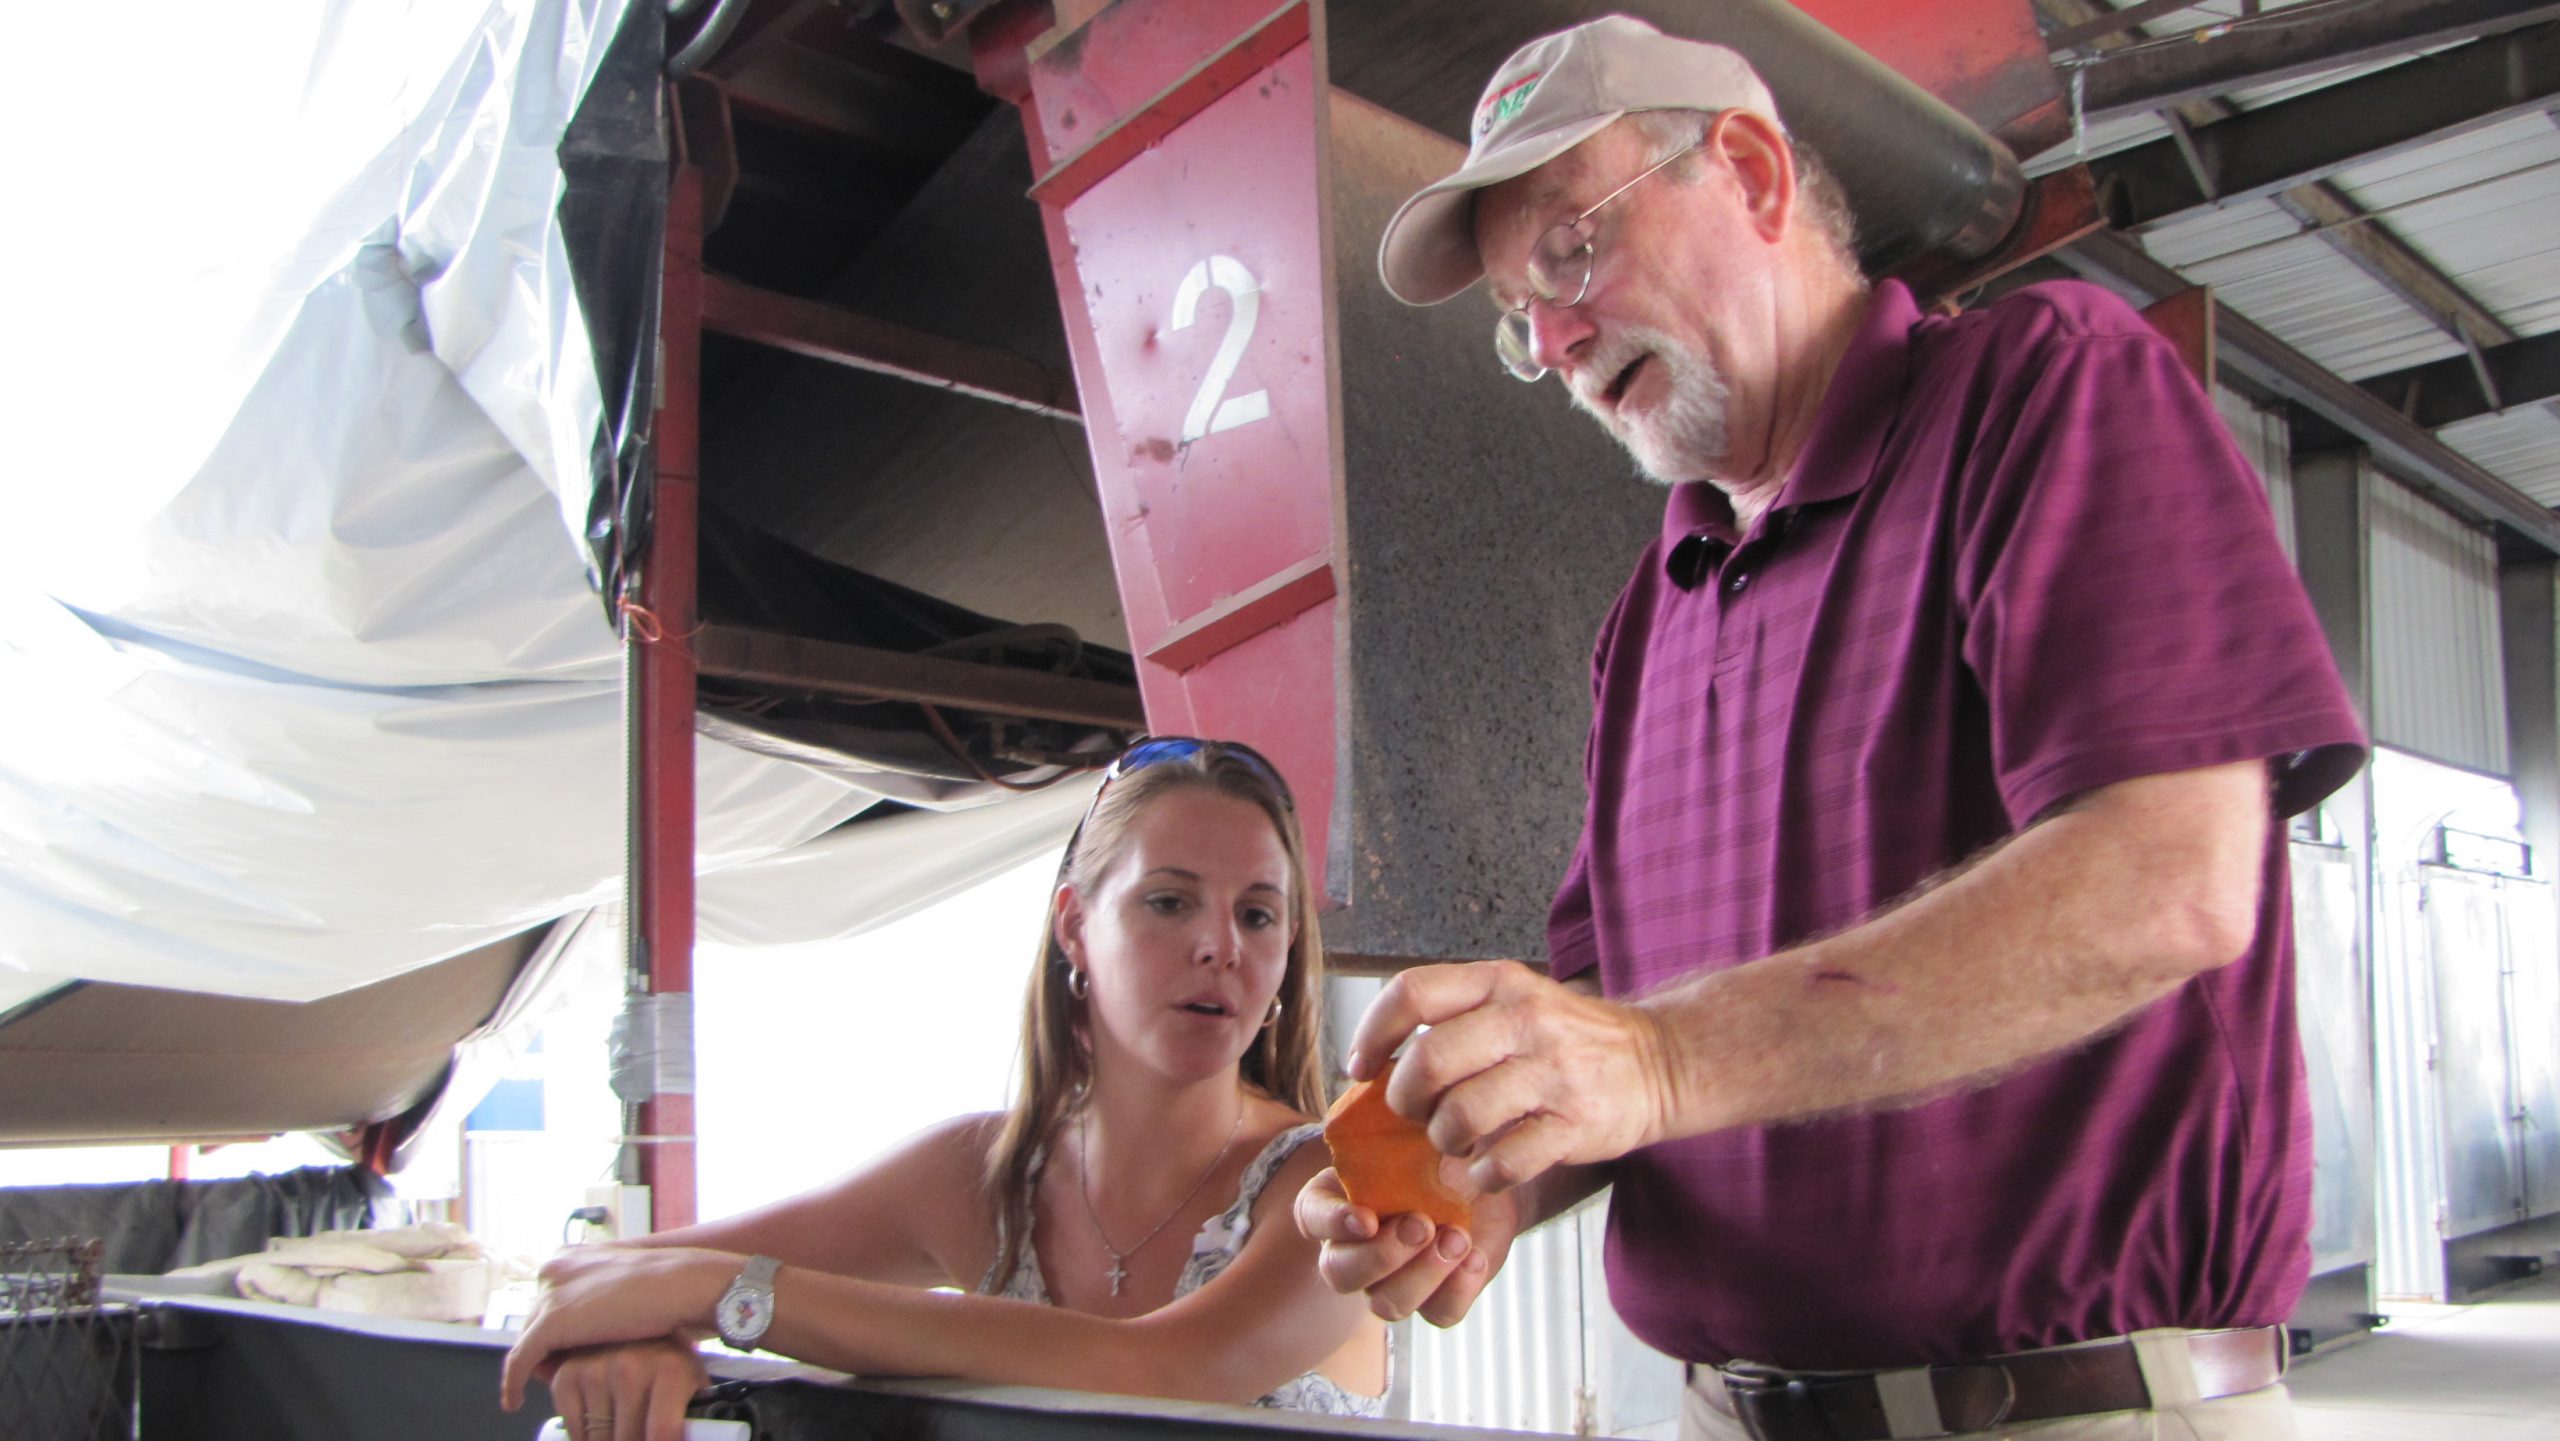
(2129,82)
(804,663)
(2445,392)
(838,336)
(2270,365)
(2259,152)
(2367,241)
(2380,252)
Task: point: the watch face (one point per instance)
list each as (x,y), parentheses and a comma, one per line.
(744,1313)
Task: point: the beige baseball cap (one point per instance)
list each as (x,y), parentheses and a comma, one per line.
(1551,95)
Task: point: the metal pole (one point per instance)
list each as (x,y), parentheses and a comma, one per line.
(658,631)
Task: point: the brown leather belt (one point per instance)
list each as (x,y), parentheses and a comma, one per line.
(1779,1405)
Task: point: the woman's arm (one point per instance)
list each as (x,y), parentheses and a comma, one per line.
(910,1217)
(1267,1318)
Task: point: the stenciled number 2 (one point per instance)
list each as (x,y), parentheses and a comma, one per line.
(1209,411)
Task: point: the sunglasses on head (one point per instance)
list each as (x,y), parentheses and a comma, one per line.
(1153,750)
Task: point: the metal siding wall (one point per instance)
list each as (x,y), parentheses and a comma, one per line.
(1516,1362)
(2439,680)
(2408,1200)
(2267,442)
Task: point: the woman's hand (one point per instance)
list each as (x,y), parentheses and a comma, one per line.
(1407,1264)
(599,1295)
(635,1391)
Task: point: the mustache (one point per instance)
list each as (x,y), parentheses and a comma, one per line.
(1610,359)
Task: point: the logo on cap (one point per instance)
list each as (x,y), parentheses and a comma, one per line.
(1502,104)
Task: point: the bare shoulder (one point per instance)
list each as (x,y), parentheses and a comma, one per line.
(952,1155)
(1300,1166)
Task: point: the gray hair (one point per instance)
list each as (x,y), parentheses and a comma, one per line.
(1668,132)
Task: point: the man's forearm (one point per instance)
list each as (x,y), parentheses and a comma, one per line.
(1557,1190)
(2055,937)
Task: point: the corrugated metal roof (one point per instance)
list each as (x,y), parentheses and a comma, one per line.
(2483,208)
(2261,264)
(2521,447)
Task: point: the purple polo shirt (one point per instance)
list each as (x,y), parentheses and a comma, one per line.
(2020,560)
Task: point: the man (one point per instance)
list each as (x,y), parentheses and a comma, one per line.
(1934,867)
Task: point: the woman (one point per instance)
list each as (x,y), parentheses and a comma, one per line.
(1171,1077)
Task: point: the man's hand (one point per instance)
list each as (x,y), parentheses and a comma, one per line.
(1518,1073)
(1407,1265)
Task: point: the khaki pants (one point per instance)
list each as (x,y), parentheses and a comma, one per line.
(1706,1412)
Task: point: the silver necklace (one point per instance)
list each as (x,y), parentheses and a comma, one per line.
(1119,1271)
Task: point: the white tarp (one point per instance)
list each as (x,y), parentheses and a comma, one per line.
(305,684)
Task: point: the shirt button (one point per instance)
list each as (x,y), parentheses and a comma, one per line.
(1740,579)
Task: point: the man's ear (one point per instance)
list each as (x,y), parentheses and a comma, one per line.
(1763,166)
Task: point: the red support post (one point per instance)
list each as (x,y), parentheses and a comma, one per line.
(659,629)
(2186,318)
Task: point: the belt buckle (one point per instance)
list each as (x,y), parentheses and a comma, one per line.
(1774,1405)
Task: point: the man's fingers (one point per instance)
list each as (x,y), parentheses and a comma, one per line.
(1324,1213)
(1455,1051)
(1423,996)
(1483,1105)
(1525,1152)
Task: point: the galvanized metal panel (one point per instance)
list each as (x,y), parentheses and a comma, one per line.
(2467,940)
(2334,991)
(2409,1176)
(2439,685)
(2533,1041)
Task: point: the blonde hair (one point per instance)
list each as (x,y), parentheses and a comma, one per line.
(1284,1063)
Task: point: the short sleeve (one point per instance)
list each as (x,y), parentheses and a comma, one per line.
(1573,944)
(2128,610)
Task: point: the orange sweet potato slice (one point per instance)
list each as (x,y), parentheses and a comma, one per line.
(1386,1162)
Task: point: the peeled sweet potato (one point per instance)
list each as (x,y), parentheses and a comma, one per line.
(1386,1162)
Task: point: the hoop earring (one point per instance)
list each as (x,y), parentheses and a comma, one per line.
(1273,1018)
(1079,985)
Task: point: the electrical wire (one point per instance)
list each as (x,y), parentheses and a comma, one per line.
(706,41)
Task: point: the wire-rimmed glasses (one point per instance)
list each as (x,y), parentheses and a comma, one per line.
(1559,273)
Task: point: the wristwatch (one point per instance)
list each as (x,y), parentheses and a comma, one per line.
(746,1308)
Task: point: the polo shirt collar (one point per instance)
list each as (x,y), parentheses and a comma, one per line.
(1849,428)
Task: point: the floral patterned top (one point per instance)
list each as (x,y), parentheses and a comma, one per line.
(1217,1245)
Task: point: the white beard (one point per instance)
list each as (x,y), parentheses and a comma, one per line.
(1685,438)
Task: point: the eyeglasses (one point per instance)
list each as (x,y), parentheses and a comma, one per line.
(1560,274)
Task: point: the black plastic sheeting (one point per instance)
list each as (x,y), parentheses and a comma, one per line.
(751,579)
(154,1227)
(614,158)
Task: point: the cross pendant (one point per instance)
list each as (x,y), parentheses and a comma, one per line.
(1118,1274)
